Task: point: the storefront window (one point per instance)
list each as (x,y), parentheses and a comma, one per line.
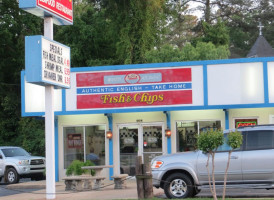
(187,132)
(84,143)
(73,144)
(95,145)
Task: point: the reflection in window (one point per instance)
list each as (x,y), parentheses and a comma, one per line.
(95,145)
(90,137)
(187,132)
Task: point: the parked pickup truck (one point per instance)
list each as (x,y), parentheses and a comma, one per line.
(183,175)
(16,163)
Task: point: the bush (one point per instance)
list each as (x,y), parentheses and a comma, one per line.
(75,168)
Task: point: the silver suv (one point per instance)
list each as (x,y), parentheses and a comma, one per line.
(16,163)
(183,175)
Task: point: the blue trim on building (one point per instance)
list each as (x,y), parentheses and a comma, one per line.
(265,73)
(205,85)
(226,119)
(110,125)
(160,109)
(64,103)
(56,149)
(168,121)
(23,108)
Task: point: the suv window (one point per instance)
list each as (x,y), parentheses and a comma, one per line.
(256,140)
(225,146)
(12,152)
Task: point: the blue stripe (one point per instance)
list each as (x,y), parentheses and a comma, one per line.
(205,85)
(64,103)
(135,88)
(152,109)
(265,72)
(110,145)
(168,120)
(23,108)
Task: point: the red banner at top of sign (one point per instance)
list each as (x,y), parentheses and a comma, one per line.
(62,8)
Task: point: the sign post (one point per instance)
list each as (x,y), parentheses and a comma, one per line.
(48,64)
(49,123)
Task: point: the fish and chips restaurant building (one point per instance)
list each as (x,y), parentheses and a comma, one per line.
(111,114)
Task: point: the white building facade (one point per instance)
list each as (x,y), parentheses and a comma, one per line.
(138,103)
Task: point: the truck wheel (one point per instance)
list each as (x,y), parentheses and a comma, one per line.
(11,176)
(178,186)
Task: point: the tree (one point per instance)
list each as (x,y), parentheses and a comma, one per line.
(15,24)
(180,25)
(137,26)
(234,140)
(208,142)
(202,51)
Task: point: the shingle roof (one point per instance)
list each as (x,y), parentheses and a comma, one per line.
(261,48)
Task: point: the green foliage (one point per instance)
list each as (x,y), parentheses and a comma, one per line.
(32,131)
(202,51)
(210,140)
(75,168)
(234,139)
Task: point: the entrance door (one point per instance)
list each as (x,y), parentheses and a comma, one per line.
(139,140)
(152,142)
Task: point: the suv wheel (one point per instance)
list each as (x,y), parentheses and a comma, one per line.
(11,176)
(178,186)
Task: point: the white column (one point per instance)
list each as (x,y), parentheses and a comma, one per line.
(49,123)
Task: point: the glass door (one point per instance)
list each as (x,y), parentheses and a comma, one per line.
(139,139)
(152,142)
(128,138)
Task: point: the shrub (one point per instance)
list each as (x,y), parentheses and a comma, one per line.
(75,168)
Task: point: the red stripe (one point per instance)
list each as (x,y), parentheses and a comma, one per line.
(168,75)
(134,99)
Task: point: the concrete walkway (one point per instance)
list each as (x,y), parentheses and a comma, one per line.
(107,192)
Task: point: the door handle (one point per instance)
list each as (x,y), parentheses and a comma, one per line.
(234,157)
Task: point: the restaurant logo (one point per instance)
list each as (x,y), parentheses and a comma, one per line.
(132,78)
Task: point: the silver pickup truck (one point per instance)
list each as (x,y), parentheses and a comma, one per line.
(16,163)
(183,175)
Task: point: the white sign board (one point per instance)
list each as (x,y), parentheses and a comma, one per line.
(47,62)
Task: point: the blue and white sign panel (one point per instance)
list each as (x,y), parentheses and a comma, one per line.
(47,62)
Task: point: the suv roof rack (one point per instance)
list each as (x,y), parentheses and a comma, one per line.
(254,126)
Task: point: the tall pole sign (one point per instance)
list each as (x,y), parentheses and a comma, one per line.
(47,63)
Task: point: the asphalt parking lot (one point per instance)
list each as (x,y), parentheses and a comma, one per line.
(26,190)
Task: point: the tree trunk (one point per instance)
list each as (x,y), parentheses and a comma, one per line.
(213,177)
(208,173)
(207,11)
(226,170)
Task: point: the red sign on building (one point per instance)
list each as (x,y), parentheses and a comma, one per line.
(136,88)
(62,8)
(75,141)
